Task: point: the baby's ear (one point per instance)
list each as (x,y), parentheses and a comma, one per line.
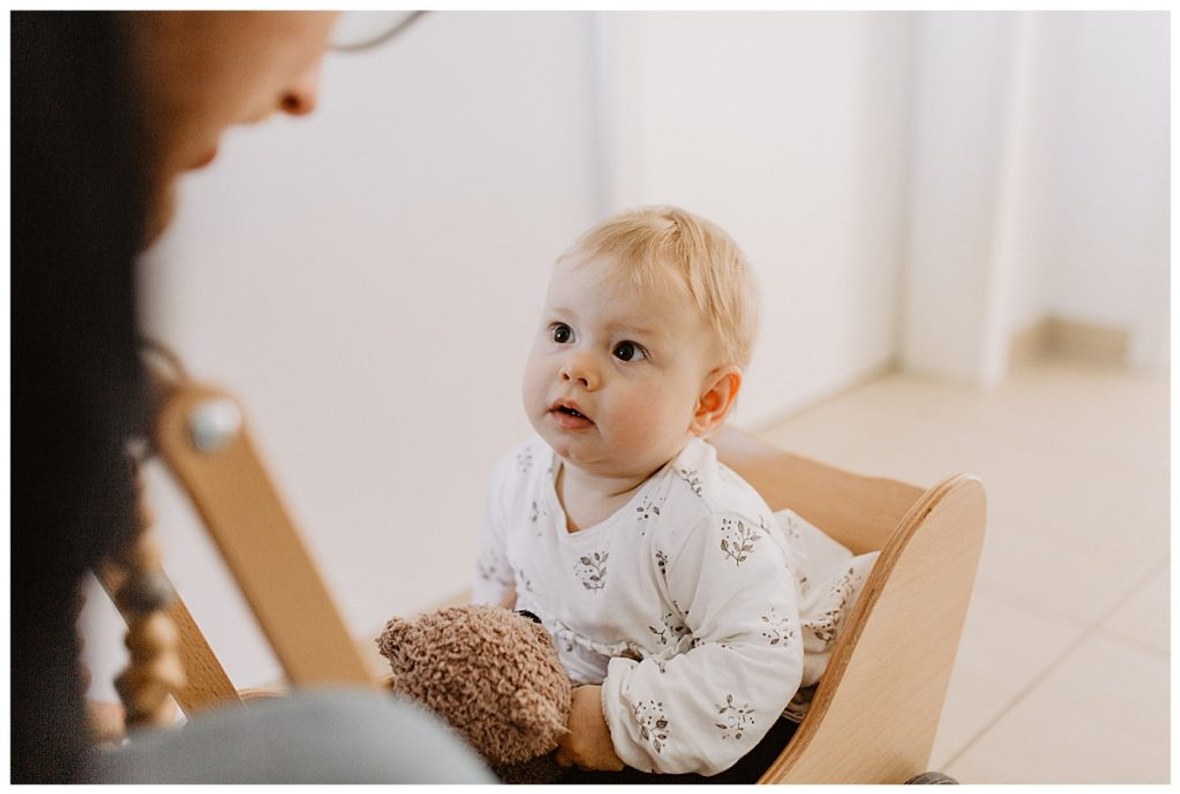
(392,641)
(718,395)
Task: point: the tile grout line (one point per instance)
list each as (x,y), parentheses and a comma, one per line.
(1067,620)
(1056,663)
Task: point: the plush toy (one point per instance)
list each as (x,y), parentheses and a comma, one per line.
(494,675)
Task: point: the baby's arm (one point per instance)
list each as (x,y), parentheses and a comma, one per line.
(702,709)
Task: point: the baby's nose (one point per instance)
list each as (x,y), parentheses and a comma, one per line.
(579,372)
(302,95)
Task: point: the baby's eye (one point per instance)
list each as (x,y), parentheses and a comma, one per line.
(561,333)
(628,351)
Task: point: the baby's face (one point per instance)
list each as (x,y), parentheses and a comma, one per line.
(616,371)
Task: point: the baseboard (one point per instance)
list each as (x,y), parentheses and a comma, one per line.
(1029,344)
(1074,340)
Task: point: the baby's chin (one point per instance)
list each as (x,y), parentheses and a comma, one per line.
(617,468)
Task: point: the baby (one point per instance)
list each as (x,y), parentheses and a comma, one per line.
(659,572)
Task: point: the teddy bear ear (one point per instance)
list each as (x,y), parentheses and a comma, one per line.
(535,714)
(393,638)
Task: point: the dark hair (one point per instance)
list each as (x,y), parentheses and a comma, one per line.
(78,208)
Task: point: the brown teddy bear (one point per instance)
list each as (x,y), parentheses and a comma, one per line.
(494,675)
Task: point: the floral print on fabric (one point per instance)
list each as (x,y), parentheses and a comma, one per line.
(734,718)
(591,570)
(693,479)
(669,631)
(653,724)
(648,507)
(524,460)
(738,539)
(778,629)
(826,625)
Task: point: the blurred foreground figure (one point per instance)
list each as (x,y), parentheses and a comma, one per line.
(108,110)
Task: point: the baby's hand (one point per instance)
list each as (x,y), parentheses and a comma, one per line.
(588,745)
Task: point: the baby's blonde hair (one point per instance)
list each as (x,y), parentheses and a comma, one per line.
(648,245)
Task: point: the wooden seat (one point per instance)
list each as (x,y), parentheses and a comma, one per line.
(874,715)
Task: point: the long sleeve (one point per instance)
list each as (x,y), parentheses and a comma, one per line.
(734,660)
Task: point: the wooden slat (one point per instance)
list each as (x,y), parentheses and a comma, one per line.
(248,522)
(206,682)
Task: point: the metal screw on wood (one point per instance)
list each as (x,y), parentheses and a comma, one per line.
(214,423)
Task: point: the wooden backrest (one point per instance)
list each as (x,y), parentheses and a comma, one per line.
(860,512)
(876,711)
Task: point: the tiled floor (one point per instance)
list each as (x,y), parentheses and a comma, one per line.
(1063,671)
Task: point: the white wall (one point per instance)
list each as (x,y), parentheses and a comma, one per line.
(1026,227)
(1040,184)
(790,130)
(964,72)
(1111,266)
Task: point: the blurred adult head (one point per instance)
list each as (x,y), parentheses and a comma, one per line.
(108,110)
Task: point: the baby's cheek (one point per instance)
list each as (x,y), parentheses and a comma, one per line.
(639,429)
(533,386)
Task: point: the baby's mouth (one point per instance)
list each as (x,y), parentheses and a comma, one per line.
(570,417)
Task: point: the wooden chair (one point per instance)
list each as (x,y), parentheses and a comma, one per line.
(874,715)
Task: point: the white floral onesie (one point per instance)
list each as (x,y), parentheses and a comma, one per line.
(682,604)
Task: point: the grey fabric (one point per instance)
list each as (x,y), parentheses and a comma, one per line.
(327,736)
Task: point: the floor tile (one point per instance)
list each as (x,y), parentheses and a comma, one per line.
(1101,716)
(1071,544)
(1070,409)
(1146,616)
(1004,649)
